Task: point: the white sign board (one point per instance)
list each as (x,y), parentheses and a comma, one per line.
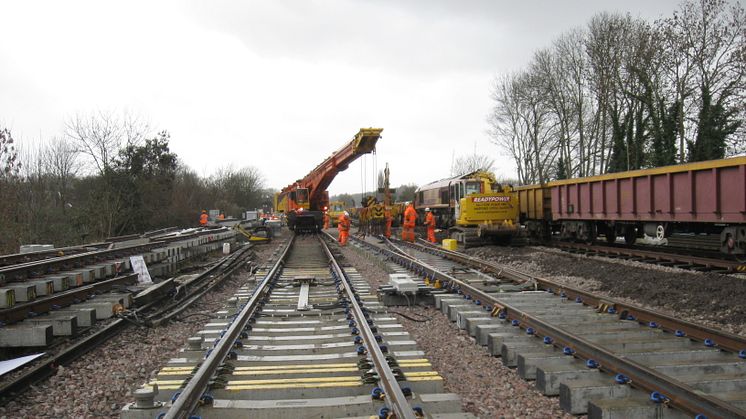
(11,364)
(139,267)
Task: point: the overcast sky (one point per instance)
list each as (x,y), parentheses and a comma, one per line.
(280,85)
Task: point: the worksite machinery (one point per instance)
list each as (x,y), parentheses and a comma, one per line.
(474,208)
(303,202)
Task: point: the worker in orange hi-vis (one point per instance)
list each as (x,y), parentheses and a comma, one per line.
(389,220)
(203,218)
(326,220)
(430,223)
(344,228)
(221,216)
(410,217)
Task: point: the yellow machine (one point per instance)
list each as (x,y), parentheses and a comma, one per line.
(473,207)
(334,210)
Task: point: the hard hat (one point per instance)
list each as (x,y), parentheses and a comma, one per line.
(407,203)
(347,214)
(427,209)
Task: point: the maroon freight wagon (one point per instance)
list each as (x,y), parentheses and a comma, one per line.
(707,197)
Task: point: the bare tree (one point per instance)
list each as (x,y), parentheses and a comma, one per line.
(471,163)
(100,135)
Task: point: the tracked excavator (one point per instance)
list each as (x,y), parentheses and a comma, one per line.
(304,201)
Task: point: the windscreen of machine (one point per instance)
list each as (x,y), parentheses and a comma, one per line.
(301,195)
(472,188)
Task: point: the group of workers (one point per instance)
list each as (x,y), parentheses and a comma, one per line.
(410,219)
(344,223)
(204,218)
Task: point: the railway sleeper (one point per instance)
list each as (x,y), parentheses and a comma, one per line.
(585,389)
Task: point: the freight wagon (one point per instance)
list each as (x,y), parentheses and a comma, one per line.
(704,197)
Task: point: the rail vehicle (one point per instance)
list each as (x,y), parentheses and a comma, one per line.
(334,210)
(704,198)
(303,202)
(474,208)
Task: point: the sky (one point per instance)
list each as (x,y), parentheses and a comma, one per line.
(279,85)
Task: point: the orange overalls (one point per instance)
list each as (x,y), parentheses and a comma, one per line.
(221,217)
(344,229)
(326,221)
(430,223)
(410,217)
(203,219)
(389,221)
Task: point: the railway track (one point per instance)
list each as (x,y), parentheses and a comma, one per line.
(683,260)
(308,339)
(602,357)
(154,310)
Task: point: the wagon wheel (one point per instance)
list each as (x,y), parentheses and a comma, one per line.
(660,232)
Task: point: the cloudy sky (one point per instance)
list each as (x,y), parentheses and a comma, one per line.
(279,85)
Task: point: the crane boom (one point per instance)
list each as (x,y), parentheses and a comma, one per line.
(303,202)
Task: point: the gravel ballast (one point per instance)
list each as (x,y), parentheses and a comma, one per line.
(101,382)
(487,388)
(707,298)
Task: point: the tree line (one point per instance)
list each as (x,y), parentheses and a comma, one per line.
(109,175)
(622,93)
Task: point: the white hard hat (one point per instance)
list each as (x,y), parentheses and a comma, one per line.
(347,214)
(427,209)
(407,203)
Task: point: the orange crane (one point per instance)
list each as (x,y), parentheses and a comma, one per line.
(304,201)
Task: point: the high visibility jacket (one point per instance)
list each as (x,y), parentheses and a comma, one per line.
(343,223)
(203,219)
(221,217)
(410,216)
(430,219)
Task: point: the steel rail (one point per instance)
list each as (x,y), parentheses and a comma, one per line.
(62,299)
(49,366)
(732,266)
(16,258)
(723,339)
(13,272)
(192,393)
(203,284)
(679,394)
(395,398)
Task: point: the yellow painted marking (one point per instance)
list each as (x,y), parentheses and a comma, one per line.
(417,362)
(295,366)
(276,386)
(294,380)
(438,378)
(297,371)
(422,374)
(172,369)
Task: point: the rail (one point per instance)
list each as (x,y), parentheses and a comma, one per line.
(395,398)
(679,394)
(192,393)
(724,340)
(731,266)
